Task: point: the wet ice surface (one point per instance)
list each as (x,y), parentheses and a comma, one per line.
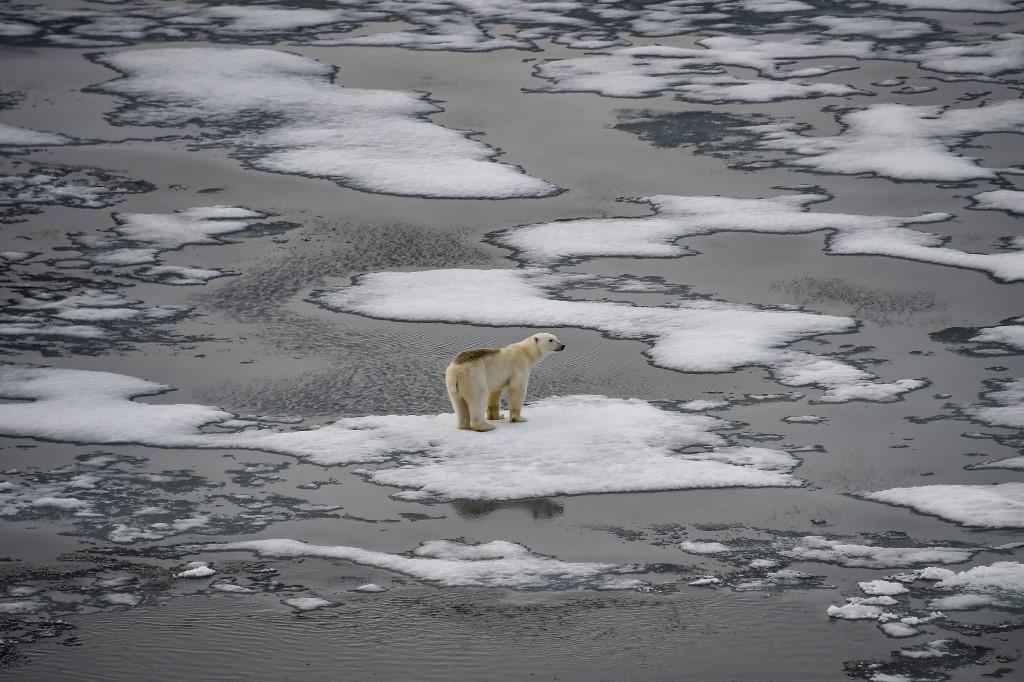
(788,279)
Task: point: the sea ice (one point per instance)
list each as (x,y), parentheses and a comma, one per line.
(697,74)
(1009,200)
(898,630)
(198,225)
(691,335)
(988,506)
(1006,335)
(804,419)
(675,218)
(698,547)
(872,27)
(196,569)
(855,611)
(370,588)
(965,602)
(14,136)
(898,141)
(455,564)
(990,56)
(307,603)
(1003,579)
(817,548)
(1005,405)
(570,446)
(882,587)
(284,113)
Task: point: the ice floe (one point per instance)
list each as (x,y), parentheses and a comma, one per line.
(23,137)
(1004,404)
(569,446)
(697,74)
(873,27)
(75,187)
(1003,53)
(700,547)
(691,335)
(284,113)
(987,506)
(804,419)
(1008,200)
(675,218)
(196,569)
(817,548)
(456,564)
(882,587)
(307,603)
(141,237)
(898,141)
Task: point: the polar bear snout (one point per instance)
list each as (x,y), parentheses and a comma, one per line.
(561,347)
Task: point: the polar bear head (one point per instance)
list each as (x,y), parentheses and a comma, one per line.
(547,343)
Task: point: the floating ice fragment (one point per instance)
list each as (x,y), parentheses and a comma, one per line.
(705,581)
(570,446)
(804,419)
(697,547)
(882,587)
(370,587)
(231,588)
(285,114)
(14,136)
(196,569)
(676,218)
(817,548)
(307,603)
(898,630)
(453,564)
(855,611)
(898,141)
(987,506)
(692,335)
(873,27)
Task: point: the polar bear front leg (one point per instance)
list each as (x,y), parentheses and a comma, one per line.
(516,393)
(494,406)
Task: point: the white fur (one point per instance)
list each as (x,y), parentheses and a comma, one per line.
(475,386)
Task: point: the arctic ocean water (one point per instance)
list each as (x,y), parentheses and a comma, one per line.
(781,239)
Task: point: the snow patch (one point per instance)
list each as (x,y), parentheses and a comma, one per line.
(691,335)
(455,564)
(284,113)
(985,506)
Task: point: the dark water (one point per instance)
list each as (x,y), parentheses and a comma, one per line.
(254,345)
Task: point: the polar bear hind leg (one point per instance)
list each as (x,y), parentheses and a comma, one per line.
(494,406)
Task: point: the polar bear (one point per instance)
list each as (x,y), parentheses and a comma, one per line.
(476,378)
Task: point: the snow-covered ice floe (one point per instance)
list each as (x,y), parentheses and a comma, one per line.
(691,335)
(675,218)
(284,113)
(997,585)
(985,506)
(897,141)
(1008,200)
(1004,404)
(23,137)
(572,445)
(79,188)
(696,74)
(83,315)
(140,238)
(817,548)
(456,564)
